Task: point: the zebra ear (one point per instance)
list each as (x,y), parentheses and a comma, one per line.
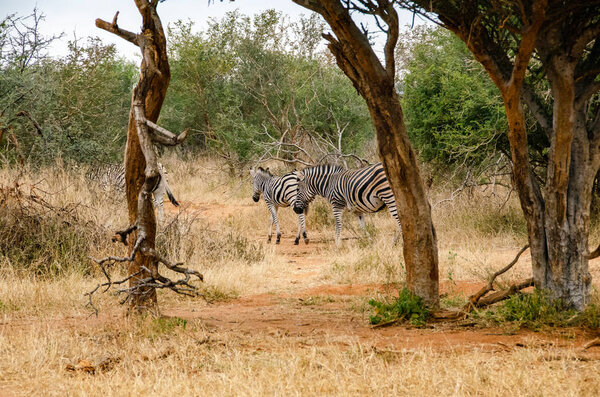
(252,173)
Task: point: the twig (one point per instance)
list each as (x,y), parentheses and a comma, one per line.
(474,299)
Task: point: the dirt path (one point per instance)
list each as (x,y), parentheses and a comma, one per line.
(323,313)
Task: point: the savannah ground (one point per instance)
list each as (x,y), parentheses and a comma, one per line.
(274,320)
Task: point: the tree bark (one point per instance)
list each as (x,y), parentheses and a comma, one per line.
(376,84)
(565,38)
(148,96)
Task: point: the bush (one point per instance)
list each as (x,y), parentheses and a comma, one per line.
(185,240)
(536,310)
(45,242)
(407,307)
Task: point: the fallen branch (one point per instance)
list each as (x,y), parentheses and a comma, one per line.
(592,343)
(480,299)
(474,299)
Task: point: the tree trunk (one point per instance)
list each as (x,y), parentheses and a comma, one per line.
(148,96)
(150,90)
(571,173)
(376,84)
(402,170)
(558,223)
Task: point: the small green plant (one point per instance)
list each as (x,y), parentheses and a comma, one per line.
(213,294)
(320,215)
(407,307)
(532,310)
(166,325)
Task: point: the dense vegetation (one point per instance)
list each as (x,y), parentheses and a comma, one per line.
(250,88)
(241,85)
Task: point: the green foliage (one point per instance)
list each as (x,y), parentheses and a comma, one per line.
(249,81)
(80,102)
(407,307)
(537,310)
(453,110)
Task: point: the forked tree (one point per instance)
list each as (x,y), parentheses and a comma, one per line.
(517,41)
(375,79)
(141,168)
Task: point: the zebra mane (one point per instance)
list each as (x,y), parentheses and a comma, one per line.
(331,168)
(264,171)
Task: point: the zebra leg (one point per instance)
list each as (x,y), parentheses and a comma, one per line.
(304,225)
(271,221)
(300,223)
(277,227)
(391,204)
(273,210)
(301,228)
(158,203)
(337,214)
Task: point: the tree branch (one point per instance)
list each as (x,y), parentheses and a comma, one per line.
(535,107)
(586,94)
(161,135)
(115,29)
(474,299)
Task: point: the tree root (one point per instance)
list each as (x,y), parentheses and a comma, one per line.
(481,298)
(152,280)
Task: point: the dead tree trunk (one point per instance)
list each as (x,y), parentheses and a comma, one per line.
(141,169)
(376,84)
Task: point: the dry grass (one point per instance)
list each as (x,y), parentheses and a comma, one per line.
(168,358)
(44,324)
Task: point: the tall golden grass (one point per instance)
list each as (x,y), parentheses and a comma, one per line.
(220,232)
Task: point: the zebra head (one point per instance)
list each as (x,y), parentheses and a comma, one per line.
(259,178)
(303,195)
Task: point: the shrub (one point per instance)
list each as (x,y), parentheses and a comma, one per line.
(43,240)
(185,240)
(407,307)
(535,310)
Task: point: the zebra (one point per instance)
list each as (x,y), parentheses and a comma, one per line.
(278,191)
(365,190)
(112,177)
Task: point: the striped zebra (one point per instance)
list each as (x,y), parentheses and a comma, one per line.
(112,177)
(278,191)
(365,190)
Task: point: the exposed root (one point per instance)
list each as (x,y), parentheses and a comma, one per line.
(481,298)
(152,280)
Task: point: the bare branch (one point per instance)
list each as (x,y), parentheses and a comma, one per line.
(114,28)
(474,299)
(161,135)
(27,115)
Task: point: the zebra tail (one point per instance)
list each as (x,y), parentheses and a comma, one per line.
(172,198)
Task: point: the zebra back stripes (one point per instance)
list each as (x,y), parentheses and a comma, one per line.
(365,190)
(112,177)
(277,191)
